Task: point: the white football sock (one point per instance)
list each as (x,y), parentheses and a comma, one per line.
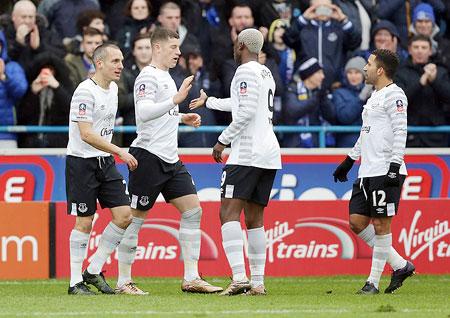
(394,259)
(110,239)
(126,251)
(78,247)
(257,255)
(233,244)
(383,244)
(189,237)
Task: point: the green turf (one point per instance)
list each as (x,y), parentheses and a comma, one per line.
(421,296)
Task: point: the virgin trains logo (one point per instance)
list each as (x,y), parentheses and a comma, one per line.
(419,239)
(349,245)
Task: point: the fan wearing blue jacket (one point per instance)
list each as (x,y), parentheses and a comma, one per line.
(349,100)
(13,85)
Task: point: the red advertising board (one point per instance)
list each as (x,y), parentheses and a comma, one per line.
(303,238)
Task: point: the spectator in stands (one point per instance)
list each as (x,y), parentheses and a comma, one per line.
(241,17)
(359,12)
(62,15)
(424,23)
(13,85)
(267,11)
(191,63)
(138,20)
(427,87)
(80,65)
(399,12)
(113,10)
(286,54)
(169,17)
(323,32)
(385,36)
(27,35)
(307,104)
(141,57)
(90,18)
(349,100)
(47,101)
(207,23)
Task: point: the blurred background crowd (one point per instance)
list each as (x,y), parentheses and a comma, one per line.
(315,49)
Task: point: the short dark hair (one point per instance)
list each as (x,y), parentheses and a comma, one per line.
(141,36)
(419,37)
(163,34)
(100,51)
(127,9)
(388,60)
(91,32)
(86,17)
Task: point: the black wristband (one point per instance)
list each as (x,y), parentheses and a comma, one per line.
(221,143)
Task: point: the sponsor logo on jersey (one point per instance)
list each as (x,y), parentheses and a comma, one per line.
(365,129)
(174,112)
(106,132)
(243,88)
(399,104)
(82,109)
(380,210)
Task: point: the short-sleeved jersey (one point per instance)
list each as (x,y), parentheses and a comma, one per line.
(160,135)
(92,104)
(253,142)
(382,139)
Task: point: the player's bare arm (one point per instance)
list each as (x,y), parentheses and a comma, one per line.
(89,136)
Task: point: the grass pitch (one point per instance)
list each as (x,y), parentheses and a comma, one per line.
(421,296)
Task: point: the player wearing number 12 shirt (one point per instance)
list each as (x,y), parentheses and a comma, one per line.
(248,176)
(376,192)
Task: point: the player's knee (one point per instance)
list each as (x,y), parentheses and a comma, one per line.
(192,216)
(123,220)
(254,221)
(83,224)
(355,226)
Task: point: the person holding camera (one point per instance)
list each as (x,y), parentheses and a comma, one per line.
(337,37)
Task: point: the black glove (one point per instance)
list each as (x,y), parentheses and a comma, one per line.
(392,178)
(341,171)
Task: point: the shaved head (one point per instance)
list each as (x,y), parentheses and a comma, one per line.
(24,12)
(252,39)
(23,5)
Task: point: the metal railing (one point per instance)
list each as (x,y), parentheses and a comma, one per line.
(320,130)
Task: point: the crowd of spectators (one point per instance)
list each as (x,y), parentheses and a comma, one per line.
(315,49)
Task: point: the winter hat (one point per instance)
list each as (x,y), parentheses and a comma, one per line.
(385,25)
(423,11)
(308,68)
(355,63)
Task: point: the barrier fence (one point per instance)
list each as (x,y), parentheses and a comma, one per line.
(321,130)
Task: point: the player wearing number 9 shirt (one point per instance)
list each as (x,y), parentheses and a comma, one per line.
(248,176)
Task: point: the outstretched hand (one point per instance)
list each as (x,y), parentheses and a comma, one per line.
(198,102)
(192,119)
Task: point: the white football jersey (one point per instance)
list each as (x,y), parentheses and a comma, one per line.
(382,139)
(253,142)
(92,104)
(160,135)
